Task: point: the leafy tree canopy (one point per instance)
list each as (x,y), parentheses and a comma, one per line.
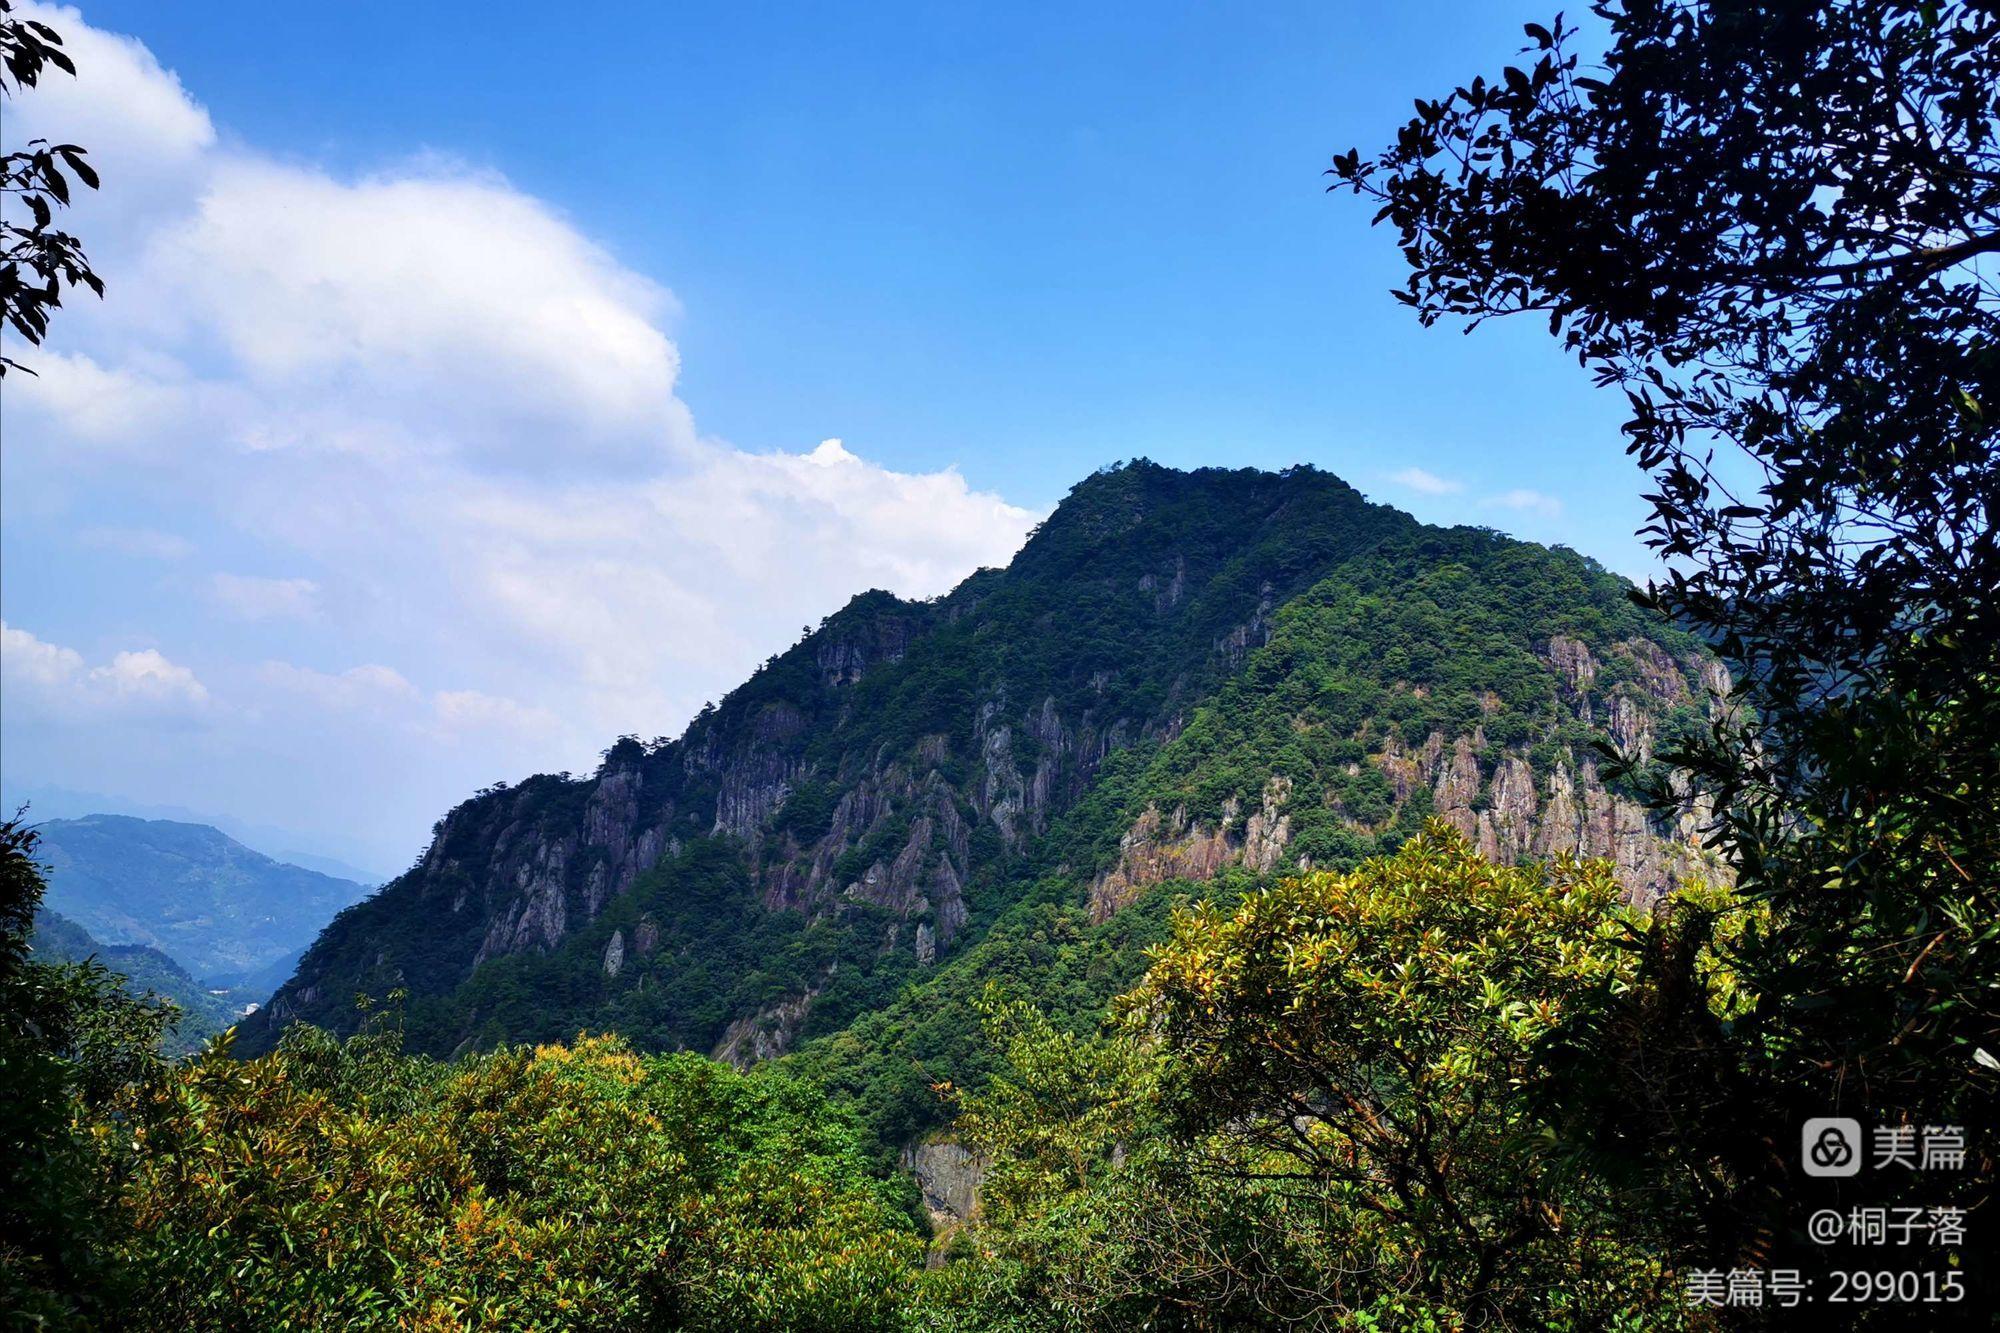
(1772,226)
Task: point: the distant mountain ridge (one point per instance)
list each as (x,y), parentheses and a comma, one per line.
(146,970)
(1181,673)
(220,910)
(341,856)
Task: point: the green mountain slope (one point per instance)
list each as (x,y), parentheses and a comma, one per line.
(1458,674)
(218,909)
(1183,683)
(146,970)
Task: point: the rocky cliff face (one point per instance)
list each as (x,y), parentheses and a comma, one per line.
(1511,805)
(948,1176)
(1160,848)
(766,1034)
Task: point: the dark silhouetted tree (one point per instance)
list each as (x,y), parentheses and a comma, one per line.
(37,258)
(1773,226)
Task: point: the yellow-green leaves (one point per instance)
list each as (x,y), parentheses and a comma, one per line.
(565,1186)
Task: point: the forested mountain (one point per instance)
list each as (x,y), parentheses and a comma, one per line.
(146,970)
(221,911)
(1180,672)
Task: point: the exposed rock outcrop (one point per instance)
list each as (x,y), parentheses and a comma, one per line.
(1158,848)
(948,1176)
(766,1034)
(1252,634)
(1503,807)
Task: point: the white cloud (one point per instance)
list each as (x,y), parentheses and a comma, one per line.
(463,709)
(460,412)
(50,676)
(453,309)
(145,674)
(1426,483)
(139,543)
(120,412)
(252,597)
(29,661)
(365,686)
(1525,501)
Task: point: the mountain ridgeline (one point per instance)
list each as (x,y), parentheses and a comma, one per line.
(1182,676)
(225,913)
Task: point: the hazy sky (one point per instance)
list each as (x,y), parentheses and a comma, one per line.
(477,382)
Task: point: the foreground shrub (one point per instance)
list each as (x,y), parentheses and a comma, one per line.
(342,1185)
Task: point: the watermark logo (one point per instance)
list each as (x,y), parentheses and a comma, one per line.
(1831,1146)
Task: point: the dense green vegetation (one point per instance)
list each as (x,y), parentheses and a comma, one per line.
(587,1186)
(1436,633)
(344,1184)
(560,1186)
(1339,1101)
(902,1066)
(1330,1104)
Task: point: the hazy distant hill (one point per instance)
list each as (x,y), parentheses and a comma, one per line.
(57,939)
(335,854)
(218,909)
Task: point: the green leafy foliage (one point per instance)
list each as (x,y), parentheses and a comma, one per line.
(903,1066)
(1329,1104)
(72,1040)
(579,1186)
(340,1183)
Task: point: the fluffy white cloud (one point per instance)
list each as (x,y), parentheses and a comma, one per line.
(28,661)
(1425,483)
(419,417)
(148,676)
(50,677)
(421,311)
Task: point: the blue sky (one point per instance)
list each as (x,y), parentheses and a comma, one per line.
(456,356)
